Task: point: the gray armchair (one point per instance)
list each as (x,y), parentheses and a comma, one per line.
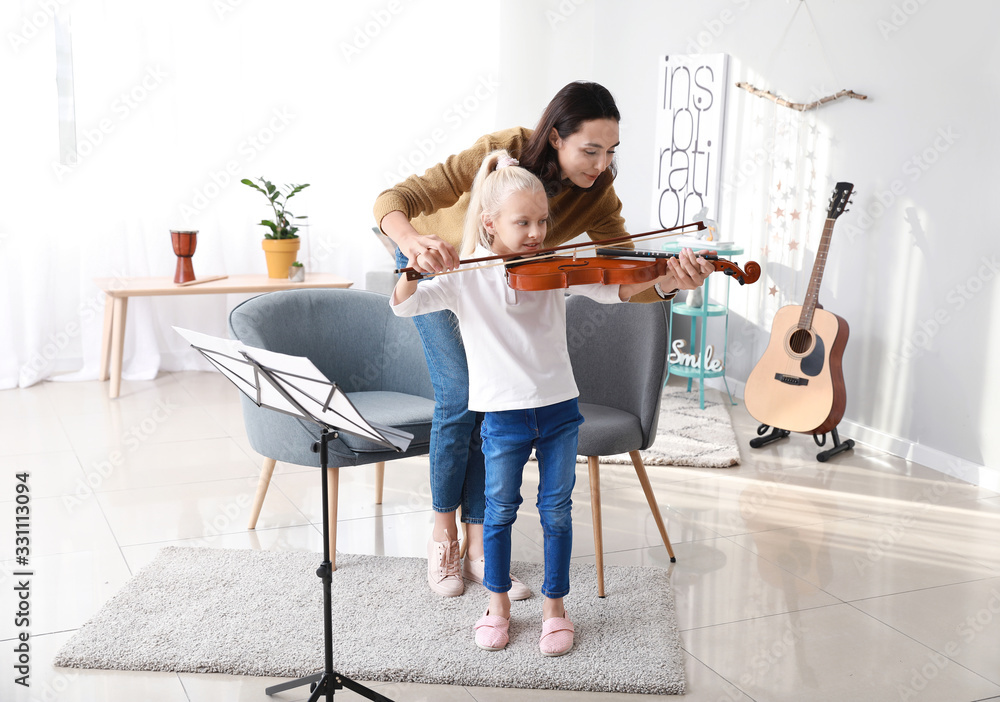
(619,355)
(356,341)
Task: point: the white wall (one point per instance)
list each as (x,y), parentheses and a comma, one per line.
(436,74)
(913,266)
(175,102)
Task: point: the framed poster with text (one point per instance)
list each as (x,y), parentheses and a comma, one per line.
(690,120)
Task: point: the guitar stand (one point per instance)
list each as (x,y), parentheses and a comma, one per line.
(820,439)
(762,440)
(838,445)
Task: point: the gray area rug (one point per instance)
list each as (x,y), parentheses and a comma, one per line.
(687,435)
(248,612)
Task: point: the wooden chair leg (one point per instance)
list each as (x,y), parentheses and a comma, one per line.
(258,499)
(640,470)
(593,466)
(333,487)
(379,481)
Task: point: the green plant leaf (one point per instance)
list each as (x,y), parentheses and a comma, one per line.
(296,189)
(280,225)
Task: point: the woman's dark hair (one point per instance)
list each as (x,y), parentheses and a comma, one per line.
(575,104)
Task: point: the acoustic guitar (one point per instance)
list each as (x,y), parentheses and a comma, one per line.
(798,383)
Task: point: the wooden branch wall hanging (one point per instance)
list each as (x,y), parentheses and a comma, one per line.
(801,107)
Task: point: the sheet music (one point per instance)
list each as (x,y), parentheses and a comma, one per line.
(291,384)
(306,385)
(226,356)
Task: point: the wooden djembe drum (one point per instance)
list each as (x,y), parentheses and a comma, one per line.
(184,244)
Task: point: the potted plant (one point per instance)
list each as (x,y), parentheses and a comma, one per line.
(281,243)
(296,272)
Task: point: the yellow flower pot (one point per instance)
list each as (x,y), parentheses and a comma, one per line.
(280,254)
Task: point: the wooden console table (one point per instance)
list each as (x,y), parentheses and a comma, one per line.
(119,290)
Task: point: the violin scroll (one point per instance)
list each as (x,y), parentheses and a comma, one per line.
(749,274)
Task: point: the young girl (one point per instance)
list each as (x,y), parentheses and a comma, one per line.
(521,378)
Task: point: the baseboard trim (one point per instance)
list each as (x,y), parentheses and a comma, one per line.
(970,472)
(983,476)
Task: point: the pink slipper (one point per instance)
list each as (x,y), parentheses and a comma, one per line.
(491,632)
(557,636)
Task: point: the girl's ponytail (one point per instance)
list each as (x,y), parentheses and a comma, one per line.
(498,177)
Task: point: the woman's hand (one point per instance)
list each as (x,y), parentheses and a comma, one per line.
(429,254)
(686,271)
(426,254)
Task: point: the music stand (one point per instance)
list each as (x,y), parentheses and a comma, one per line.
(293,385)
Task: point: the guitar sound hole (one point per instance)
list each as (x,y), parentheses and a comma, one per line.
(800,341)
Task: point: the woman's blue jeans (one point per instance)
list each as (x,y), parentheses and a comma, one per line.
(458,476)
(508,438)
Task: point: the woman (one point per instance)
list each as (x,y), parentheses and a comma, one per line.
(572,153)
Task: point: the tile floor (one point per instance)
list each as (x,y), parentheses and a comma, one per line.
(865,578)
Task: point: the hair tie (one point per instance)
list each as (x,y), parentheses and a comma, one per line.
(505,161)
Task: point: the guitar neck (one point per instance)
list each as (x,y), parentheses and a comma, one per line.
(812,294)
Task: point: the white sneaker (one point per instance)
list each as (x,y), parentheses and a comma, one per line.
(442,568)
(475,570)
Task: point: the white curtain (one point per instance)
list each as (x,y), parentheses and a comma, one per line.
(174,104)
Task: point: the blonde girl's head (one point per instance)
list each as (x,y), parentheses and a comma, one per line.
(498,179)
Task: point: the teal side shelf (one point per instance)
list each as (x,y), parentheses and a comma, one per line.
(713,310)
(689,372)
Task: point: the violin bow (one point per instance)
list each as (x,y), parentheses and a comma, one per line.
(412,274)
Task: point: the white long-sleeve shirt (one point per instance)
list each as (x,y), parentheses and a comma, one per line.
(515,341)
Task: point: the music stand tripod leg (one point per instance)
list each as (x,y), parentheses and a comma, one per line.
(326,683)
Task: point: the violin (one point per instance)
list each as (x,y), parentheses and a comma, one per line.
(623,267)
(546,271)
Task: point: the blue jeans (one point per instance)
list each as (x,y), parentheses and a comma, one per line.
(508,438)
(458,475)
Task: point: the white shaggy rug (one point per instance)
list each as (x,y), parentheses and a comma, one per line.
(248,612)
(687,435)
